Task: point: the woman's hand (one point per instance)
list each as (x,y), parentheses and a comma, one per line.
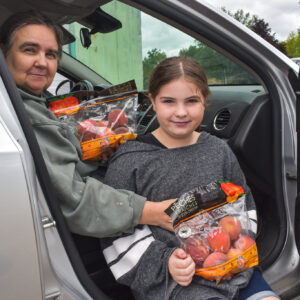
(154,214)
(181,267)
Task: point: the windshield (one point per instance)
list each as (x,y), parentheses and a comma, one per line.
(132,51)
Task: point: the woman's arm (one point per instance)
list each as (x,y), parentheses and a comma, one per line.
(89,206)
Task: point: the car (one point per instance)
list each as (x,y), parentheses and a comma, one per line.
(253,107)
(296,60)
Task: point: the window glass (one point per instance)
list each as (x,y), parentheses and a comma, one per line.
(58,79)
(143,41)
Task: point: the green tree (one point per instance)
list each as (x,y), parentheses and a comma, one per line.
(241,16)
(263,29)
(218,68)
(293,44)
(153,58)
(258,25)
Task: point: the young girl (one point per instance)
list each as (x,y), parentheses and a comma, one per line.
(170,161)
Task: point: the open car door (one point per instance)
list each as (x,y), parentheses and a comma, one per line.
(297,208)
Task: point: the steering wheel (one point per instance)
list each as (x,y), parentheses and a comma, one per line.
(83,85)
(145,125)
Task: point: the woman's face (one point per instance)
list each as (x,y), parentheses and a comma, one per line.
(179,108)
(33,58)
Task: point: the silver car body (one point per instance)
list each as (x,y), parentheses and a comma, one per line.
(296,60)
(34,263)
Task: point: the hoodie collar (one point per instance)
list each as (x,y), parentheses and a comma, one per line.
(28,95)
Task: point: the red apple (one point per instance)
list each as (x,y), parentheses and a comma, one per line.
(117,118)
(102,123)
(87,125)
(233,252)
(214,259)
(121,129)
(232,225)
(219,240)
(197,249)
(243,242)
(103,131)
(87,136)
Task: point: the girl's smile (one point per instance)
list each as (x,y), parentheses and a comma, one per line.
(179,108)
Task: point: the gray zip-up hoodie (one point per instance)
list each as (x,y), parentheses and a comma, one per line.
(140,260)
(90,207)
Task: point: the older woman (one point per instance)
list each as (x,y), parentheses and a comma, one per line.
(32,46)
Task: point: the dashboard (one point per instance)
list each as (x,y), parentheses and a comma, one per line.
(224,112)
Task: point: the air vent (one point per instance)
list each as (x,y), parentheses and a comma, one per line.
(145,120)
(222,119)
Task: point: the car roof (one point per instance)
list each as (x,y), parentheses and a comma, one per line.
(61,11)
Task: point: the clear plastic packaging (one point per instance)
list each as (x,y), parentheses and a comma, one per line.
(101,120)
(213,226)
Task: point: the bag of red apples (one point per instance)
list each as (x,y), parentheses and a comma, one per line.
(212,225)
(100,119)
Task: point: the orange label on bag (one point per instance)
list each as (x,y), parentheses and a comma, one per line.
(92,149)
(68,105)
(241,262)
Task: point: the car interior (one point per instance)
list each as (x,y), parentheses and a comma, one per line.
(247,127)
(246,116)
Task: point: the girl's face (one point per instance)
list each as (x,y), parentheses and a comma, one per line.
(179,108)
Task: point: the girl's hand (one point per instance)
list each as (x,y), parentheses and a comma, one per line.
(154,214)
(181,267)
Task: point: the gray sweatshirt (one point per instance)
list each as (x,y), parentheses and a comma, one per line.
(140,260)
(90,207)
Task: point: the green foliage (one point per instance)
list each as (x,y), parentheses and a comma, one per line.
(241,16)
(218,68)
(293,44)
(259,26)
(153,58)
(262,28)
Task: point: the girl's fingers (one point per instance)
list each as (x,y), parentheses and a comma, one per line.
(184,281)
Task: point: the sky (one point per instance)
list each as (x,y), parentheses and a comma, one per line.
(156,34)
(283,16)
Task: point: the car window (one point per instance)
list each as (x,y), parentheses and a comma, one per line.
(143,41)
(59,78)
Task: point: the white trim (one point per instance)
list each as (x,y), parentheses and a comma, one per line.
(253,226)
(252,214)
(131,258)
(124,243)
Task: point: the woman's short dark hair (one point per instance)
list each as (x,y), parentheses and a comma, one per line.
(177,67)
(21,19)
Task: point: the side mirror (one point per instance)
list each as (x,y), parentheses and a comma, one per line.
(85,37)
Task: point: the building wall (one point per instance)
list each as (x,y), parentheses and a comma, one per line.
(117,56)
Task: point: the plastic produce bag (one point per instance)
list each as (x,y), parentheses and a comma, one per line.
(212,225)
(100,119)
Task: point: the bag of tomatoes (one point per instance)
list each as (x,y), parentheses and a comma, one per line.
(100,119)
(213,226)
